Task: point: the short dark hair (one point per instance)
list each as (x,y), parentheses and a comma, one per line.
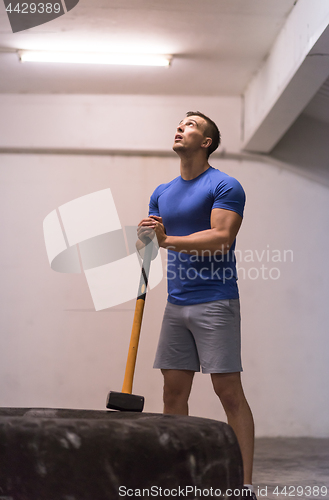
(211,130)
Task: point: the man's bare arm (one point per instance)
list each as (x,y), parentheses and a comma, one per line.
(225,225)
(145,235)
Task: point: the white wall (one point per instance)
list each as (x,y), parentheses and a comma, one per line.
(305,148)
(109,122)
(285,321)
(56,351)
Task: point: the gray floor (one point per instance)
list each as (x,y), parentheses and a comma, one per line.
(291,463)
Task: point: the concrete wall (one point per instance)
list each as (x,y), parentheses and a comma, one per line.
(56,351)
(305,148)
(112,122)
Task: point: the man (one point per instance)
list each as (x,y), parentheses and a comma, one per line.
(197,217)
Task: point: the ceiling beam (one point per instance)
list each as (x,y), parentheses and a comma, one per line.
(295,69)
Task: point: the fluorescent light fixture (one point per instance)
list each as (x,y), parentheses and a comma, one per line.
(95,58)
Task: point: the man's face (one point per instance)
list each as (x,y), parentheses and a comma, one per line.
(190,135)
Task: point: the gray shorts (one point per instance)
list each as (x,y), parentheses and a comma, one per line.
(205,334)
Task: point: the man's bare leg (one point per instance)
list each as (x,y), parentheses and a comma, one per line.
(229,389)
(176,391)
(177,388)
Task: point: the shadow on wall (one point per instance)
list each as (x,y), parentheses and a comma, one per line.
(306,148)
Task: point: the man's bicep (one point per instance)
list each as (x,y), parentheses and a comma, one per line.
(226,221)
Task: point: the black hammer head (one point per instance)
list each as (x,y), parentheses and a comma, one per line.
(124,402)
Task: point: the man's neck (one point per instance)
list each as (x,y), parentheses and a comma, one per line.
(192,167)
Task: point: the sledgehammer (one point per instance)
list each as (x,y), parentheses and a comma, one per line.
(125,401)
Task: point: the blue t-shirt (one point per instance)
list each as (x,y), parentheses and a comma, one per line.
(185,208)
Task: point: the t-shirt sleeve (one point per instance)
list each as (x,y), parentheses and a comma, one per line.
(153,205)
(230,195)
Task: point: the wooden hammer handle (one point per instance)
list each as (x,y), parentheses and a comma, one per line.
(137,322)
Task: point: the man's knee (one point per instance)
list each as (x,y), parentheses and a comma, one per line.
(231,401)
(172,395)
(177,386)
(230,392)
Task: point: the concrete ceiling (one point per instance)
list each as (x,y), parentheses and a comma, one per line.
(218,45)
(318,108)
